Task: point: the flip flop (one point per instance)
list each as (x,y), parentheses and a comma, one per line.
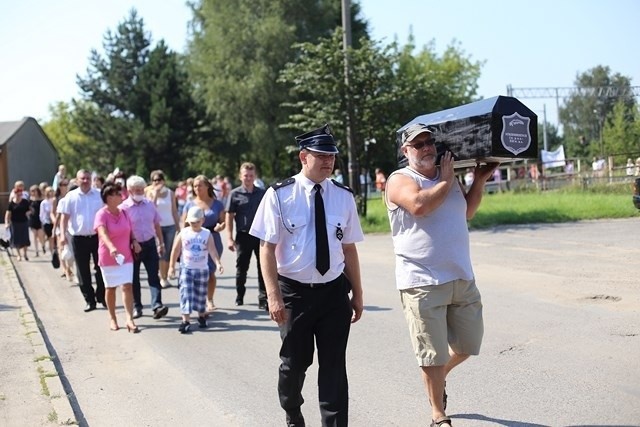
(441,422)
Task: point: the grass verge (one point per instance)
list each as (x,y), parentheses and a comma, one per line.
(511,208)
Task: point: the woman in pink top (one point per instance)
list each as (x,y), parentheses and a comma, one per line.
(115,257)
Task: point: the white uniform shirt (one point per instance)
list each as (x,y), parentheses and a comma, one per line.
(81,208)
(286,217)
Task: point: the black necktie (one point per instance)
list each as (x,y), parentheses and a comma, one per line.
(322,241)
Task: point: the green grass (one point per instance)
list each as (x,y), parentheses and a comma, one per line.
(510,208)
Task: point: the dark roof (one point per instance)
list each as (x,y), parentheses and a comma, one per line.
(8,129)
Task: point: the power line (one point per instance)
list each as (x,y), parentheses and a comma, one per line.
(565,92)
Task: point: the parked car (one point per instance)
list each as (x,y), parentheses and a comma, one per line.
(636,193)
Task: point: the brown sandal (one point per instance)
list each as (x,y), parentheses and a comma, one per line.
(441,422)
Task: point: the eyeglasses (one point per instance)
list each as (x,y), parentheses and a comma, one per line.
(156,179)
(323,156)
(420,145)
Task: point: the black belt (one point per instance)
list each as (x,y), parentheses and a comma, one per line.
(88,236)
(309,285)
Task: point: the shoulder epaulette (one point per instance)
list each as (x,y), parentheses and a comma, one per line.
(283,183)
(344,187)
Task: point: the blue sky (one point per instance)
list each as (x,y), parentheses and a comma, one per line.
(44,44)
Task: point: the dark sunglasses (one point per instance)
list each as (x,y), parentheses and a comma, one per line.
(420,145)
(157,180)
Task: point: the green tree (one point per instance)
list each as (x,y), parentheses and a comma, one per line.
(236,53)
(65,135)
(136,107)
(429,82)
(619,134)
(389,86)
(321,97)
(585,114)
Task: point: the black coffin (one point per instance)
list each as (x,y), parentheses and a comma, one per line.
(499,129)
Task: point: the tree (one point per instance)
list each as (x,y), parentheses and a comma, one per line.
(65,135)
(584,115)
(136,107)
(389,86)
(554,140)
(322,97)
(620,135)
(236,53)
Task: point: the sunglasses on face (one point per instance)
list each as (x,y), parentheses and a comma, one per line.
(156,180)
(420,145)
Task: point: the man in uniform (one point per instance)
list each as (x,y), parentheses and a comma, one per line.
(308,226)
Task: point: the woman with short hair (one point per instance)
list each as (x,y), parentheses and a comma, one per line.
(16,219)
(115,257)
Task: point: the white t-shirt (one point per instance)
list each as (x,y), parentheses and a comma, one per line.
(81,208)
(194,248)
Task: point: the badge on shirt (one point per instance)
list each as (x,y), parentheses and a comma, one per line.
(339,233)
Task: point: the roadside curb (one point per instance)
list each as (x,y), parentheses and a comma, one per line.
(45,368)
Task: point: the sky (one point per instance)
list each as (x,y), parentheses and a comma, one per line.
(45,44)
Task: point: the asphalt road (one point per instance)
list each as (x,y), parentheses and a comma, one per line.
(561,347)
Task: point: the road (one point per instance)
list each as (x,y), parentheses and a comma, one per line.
(561,347)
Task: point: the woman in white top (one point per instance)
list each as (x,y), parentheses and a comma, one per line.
(165,201)
(46,209)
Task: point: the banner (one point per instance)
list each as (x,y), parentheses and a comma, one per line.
(553,159)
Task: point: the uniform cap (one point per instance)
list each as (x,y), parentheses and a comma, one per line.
(320,140)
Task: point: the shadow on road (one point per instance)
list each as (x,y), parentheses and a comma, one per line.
(497,421)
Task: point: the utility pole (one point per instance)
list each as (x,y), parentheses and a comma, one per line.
(352,169)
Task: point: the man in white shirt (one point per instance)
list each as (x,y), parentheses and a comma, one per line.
(77,216)
(308,226)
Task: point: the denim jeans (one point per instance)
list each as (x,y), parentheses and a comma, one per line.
(149,257)
(168,235)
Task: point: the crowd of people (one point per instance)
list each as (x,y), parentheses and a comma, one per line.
(302,231)
(101,231)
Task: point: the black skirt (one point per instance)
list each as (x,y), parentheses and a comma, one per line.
(20,234)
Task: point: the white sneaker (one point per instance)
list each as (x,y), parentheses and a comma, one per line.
(165,283)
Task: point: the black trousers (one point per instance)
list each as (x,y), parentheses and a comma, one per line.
(247,245)
(323,313)
(85,248)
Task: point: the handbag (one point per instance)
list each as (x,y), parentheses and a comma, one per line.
(55,259)
(5,238)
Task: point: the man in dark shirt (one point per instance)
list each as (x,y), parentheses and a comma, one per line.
(242,204)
